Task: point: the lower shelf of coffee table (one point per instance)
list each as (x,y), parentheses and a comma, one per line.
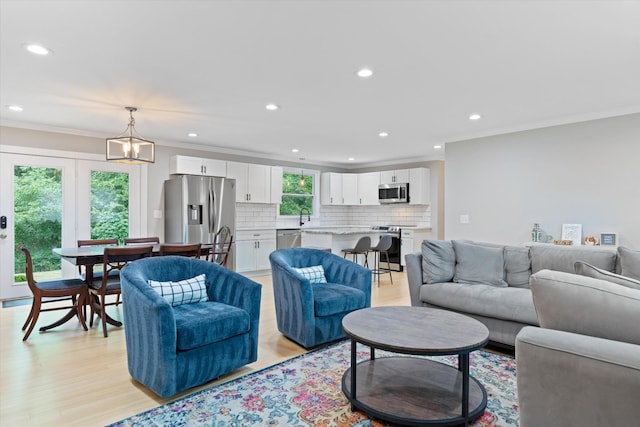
(413,391)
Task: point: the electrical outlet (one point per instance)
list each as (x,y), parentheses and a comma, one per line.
(464,219)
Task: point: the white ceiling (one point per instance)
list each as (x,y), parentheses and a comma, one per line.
(212,66)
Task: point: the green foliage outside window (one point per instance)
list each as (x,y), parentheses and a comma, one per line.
(109,205)
(37,216)
(38,213)
(294,196)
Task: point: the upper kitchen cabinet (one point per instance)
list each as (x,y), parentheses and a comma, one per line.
(350,189)
(185,165)
(419,186)
(331,189)
(253,182)
(368,188)
(276,184)
(395,176)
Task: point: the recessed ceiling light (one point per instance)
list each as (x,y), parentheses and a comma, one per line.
(192,134)
(365,72)
(351,159)
(294,150)
(15,108)
(383,134)
(474,116)
(437,147)
(37,49)
(271,107)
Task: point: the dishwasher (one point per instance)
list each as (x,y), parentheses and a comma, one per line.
(288,238)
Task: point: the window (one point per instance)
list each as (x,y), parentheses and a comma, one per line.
(109,205)
(296,194)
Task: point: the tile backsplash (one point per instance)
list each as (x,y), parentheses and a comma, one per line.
(253,215)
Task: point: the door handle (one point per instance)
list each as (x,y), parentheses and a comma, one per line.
(3,236)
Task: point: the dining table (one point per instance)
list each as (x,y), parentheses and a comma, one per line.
(89,256)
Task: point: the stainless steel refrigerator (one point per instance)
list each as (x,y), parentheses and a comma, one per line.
(195,207)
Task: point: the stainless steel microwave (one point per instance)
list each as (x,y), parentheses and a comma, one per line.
(393,193)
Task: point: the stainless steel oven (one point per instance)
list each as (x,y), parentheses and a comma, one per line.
(394,251)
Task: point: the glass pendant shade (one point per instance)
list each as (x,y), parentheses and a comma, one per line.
(130,148)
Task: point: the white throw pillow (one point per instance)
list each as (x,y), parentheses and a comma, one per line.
(315,273)
(185,291)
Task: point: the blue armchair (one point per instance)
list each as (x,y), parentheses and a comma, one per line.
(311,313)
(171,348)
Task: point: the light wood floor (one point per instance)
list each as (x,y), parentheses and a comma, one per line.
(69,377)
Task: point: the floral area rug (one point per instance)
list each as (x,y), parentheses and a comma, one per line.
(306,391)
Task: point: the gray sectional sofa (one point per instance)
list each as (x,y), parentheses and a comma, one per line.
(490,282)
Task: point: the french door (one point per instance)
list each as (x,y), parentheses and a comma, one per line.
(46,202)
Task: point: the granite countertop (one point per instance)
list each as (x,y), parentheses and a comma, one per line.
(341,230)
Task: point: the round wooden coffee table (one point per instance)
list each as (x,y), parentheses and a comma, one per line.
(410,390)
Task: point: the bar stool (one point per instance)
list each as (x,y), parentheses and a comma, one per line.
(362,247)
(382,247)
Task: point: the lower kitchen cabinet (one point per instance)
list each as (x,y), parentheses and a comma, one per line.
(253,248)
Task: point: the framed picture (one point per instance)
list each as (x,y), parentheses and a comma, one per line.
(609,239)
(572,232)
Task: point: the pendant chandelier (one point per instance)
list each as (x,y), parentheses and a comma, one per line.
(129,147)
(302,174)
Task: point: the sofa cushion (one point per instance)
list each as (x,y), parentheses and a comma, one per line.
(629,262)
(333,298)
(479,264)
(208,322)
(315,273)
(438,261)
(563,258)
(185,291)
(589,270)
(586,306)
(512,304)
(517,266)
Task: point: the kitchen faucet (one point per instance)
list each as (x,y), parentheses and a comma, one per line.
(308,215)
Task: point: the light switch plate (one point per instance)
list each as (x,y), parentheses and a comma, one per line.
(464,219)
(157,214)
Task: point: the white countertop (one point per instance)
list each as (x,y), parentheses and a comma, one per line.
(340,230)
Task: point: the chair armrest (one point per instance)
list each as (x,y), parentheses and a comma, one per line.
(414,276)
(290,286)
(348,273)
(570,379)
(229,287)
(150,329)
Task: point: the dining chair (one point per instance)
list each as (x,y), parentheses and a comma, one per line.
(192,250)
(141,241)
(74,290)
(362,247)
(382,247)
(221,246)
(97,275)
(115,258)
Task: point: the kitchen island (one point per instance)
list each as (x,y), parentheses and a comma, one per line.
(338,238)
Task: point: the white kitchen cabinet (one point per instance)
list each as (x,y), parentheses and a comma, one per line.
(253,182)
(185,165)
(412,241)
(331,189)
(350,189)
(394,176)
(368,188)
(253,248)
(419,186)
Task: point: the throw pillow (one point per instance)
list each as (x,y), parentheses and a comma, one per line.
(517,266)
(315,274)
(629,262)
(477,264)
(185,291)
(584,269)
(438,261)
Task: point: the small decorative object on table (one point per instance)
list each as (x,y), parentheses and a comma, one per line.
(591,240)
(572,232)
(563,242)
(609,239)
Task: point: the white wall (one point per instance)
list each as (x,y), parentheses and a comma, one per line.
(584,173)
